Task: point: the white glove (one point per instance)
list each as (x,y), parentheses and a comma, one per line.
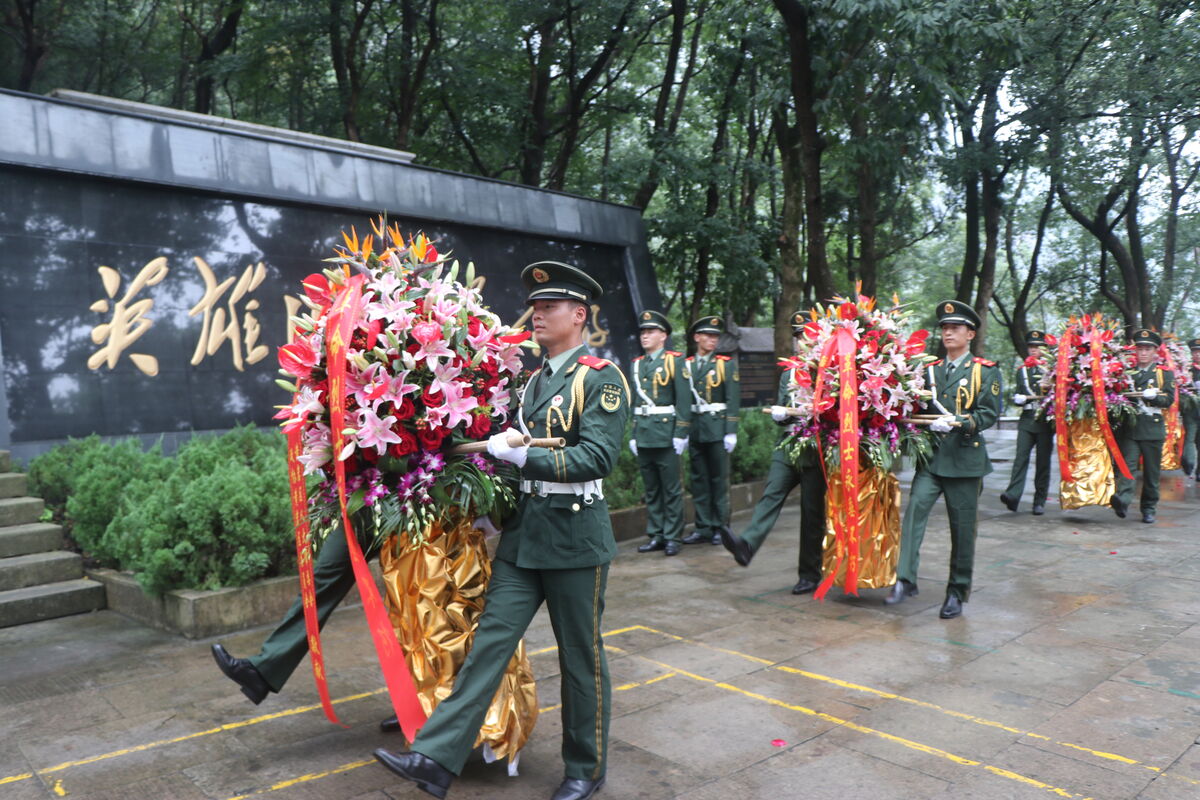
(498,446)
(1196,385)
(633,446)
(485,525)
(680,445)
(943,424)
(778,413)
(1020,399)
(730,442)
(1150,393)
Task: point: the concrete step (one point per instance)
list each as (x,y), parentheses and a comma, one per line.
(17,572)
(50,600)
(20,510)
(34,537)
(5,461)
(12,484)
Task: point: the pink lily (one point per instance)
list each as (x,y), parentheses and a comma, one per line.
(375,431)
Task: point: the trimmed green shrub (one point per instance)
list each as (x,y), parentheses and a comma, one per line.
(757,436)
(221,518)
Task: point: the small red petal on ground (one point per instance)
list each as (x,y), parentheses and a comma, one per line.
(1112,552)
(778,743)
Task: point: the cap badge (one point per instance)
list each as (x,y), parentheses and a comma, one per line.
(646,315)
(540,275)
(712,321)
(948,308)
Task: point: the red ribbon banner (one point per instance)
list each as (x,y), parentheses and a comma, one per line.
(1096,344)
(308,593)
(845,345)
(1173,422)
(1062,371)
(347,308)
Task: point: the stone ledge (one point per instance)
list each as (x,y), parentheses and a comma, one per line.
(199,614)
(630,523)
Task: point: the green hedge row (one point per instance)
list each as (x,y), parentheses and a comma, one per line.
(215,514)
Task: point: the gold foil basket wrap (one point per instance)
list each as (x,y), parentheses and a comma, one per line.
(1170,455)
(1091,481)
(878,530)
(435,594)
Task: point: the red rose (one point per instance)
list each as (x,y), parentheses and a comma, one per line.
(406,445)
(479,427)
(474,326)
(405,410)
(431,438)
(432,399)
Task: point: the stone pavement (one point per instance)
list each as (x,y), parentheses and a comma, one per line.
(1075,673)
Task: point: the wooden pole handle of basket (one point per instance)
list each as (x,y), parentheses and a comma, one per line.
(514,439)
(791,412)
(926,421)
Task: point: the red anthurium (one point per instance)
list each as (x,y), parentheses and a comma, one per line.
(848,311)
(373,330)
(298,358)
(812,330)
(515,338)
(916,343)
(316,287)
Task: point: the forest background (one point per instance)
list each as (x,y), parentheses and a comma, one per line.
(1033,159)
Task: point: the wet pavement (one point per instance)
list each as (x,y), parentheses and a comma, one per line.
(1074,672)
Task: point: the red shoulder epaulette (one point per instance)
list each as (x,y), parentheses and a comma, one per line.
(724,358)
(635,358)
(984,361)
(690,358)
(934,363)
(674,353)
(594,362)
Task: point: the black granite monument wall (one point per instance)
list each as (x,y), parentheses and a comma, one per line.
(144,289)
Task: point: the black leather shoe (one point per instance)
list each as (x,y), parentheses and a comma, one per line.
(736,545)
(804,586)
(1039,510)
(1119,506)
(672,548)
(243,673)
(390,725)
(1010,503)
(1147,516)
(429,776)
(652,545)
(901,591)
(577,789)
(696,537)
(951,607)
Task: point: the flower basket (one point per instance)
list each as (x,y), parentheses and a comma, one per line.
(878,532)
(434,598)
(1092,482)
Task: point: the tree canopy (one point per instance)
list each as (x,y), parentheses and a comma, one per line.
(1035,160)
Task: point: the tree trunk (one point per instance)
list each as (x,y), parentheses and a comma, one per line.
(413,65)
(796,18)
(970,267)
(347,62)
(791,217)
(213,42)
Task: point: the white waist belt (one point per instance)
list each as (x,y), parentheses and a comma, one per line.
(645,411)
(704,408)
(588,490)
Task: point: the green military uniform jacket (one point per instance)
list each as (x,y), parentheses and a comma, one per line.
(661,383)
(587,403)
(1028,384)
(1188,411)
(1150,426)
(716,384)
(971,392)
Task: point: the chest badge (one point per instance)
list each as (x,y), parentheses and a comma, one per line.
(962,381)
(556,401)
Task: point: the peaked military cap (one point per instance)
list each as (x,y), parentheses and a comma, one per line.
(798,321)
(708,325)
(554,280)
(654,319)
(953,312)
(1146,336)
(1194,344)
(1037,337)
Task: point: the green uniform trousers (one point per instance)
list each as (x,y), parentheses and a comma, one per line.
(1191,437)
(782,477)
(1026,442)
(575,601)
(710,484)
(962,505)
(333,578)
(1150,451)
(664,492)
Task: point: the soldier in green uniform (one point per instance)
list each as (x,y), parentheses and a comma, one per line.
(966,392)
(555,549)
(1191,417)
(661,418)
(1033,430)
(1144,435)
(782,477)
(716,400)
